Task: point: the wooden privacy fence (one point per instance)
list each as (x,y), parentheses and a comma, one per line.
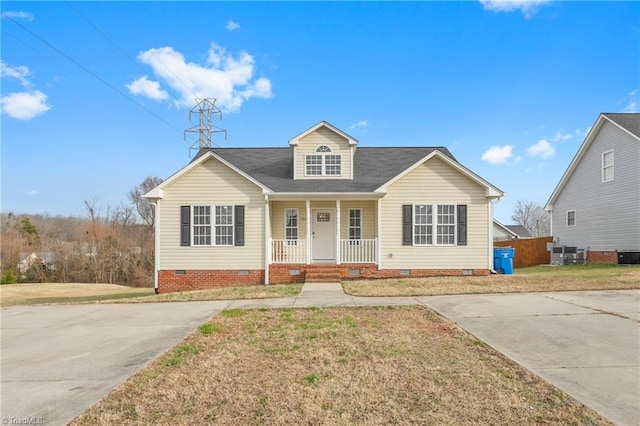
(529,251)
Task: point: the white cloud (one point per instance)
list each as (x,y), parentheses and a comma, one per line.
(527,7)
(24,105)
(362,124)
(541,149)
(148,88)
(19,73)
(498,154)
(561,137)
(632,101)
(18,15)
(32,192)
(232,26)
(225,77)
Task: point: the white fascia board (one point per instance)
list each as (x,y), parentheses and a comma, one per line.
(284,196)
(491,191)
(588,140)
(157,192)
(294,141)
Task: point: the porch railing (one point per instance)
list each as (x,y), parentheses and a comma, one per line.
(358,251)
(289,251)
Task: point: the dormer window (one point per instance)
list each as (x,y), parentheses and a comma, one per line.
(323,163)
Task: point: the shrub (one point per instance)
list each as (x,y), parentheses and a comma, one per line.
(9,277)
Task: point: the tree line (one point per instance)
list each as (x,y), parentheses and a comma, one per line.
(108,245)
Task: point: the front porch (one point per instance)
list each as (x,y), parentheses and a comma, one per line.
(323,232)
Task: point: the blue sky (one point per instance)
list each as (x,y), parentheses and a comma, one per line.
(95,95)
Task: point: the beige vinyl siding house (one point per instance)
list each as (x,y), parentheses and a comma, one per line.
(211,184)
(436,183)
(359,216)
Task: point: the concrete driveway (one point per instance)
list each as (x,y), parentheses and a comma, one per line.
(585,343)
(59,360)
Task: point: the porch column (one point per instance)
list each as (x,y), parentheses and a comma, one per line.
(267,239)
(379,234)
(308,206)
(337,232)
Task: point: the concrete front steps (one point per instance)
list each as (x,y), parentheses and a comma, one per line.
(322,274)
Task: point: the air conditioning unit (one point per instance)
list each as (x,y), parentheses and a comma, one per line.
(565,255)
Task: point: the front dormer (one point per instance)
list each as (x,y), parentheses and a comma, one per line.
(323,152)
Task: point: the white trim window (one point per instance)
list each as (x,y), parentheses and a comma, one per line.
(423,224)
(224,226)
(446,225)
(201,225)
(323,163)
(607,166)
(442,224)
(571,218)
(291,226)
(355,225)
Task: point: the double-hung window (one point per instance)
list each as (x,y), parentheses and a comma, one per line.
(224,225)
(323,163)
(607,166)
(355,226)
(423,224)
(446,231)
(201,225)
(291,226)
(426,224)
(571,218)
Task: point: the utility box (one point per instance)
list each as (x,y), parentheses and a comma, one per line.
(629,258)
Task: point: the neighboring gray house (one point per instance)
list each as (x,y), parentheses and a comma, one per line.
(596,205)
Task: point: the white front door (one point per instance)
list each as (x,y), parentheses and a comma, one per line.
(323,235)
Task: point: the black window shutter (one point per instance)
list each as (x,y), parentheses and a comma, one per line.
(239,225)
(407,224)
(462,225)
(185,225)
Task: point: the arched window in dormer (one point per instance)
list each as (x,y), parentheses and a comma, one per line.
(323,163)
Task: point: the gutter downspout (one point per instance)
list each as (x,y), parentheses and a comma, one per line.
(491,265)
(267,239)
(156,242)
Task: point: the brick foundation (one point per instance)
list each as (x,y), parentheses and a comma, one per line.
(279,273)
(170,281)
(602,256)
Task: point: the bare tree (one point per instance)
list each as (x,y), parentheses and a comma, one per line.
(532,217)
(142,205)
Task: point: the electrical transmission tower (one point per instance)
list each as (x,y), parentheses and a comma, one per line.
(205,108)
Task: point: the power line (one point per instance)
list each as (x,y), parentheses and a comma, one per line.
(126,55)
(87,70)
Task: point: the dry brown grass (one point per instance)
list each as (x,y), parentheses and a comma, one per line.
(227,293)
(535,279)
(37,294)
(335,366)
(40,294)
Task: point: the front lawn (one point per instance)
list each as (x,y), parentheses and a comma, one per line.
(401,365)
(533,279)
(40,294)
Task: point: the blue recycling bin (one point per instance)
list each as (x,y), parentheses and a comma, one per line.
(503,259)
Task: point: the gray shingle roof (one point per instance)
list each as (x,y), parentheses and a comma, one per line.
(519,230)
(373,167)
(629,121)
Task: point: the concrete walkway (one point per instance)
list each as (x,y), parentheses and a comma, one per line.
(59,360)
